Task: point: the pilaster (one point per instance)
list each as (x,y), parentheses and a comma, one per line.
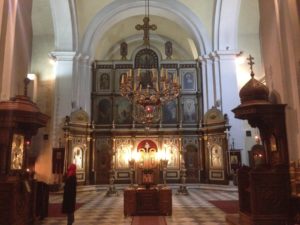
(208,84)
(229,94)
(63,91)
(82,81)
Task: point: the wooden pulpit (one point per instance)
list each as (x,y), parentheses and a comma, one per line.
(264,188)
(20,119)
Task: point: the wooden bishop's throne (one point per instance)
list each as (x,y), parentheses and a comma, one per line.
(264,188)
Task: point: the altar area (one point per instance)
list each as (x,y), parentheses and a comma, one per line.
(148,201)
(145,196)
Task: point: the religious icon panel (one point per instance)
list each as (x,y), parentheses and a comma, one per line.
(172,74)
(103,110)
(78,157)
(17,152)
(170,112)
(146,79)
(123,111)
(103,80)
(216,157)
(118,78)
(188,80)
(189,105)
(173,161)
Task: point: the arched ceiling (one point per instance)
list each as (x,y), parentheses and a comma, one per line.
(41,18)
(166,31)
(125,29)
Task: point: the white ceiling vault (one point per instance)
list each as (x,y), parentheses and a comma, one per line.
(95,28)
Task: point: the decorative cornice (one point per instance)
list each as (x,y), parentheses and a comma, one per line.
(225,54)
(62,55)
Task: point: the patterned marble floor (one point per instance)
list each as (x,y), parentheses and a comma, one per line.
(193,209)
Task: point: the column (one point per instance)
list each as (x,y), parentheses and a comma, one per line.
(208,83)
(82,81)
(229,94)
(63,91)
(217,82)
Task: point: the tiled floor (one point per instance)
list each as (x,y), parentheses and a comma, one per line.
(193,209)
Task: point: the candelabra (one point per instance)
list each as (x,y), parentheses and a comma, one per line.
(148,93)
(182,188)
(112,189)
(131,166)
(164,164)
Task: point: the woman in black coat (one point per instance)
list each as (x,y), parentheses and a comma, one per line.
(69,198)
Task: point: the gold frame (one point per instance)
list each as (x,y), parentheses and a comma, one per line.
(17,152)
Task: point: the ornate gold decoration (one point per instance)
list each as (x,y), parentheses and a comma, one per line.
(147,101)
(145,89)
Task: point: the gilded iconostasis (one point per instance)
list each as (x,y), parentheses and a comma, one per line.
(181,145)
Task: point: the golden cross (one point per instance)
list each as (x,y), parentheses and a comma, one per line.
(146,27)
(251,63)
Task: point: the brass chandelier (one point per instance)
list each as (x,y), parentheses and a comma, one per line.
(148,98)
(147,101)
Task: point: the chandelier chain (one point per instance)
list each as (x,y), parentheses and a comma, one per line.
(147,89)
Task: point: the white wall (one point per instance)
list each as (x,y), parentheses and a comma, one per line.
(280,38)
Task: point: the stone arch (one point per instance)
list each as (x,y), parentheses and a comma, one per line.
(179,13)
(65,24)
(105,18)
(225,31)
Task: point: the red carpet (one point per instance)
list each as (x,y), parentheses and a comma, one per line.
(148,220)
(54,209)
(231,206)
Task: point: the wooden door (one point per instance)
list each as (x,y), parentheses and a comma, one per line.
(191,164)
(103,164)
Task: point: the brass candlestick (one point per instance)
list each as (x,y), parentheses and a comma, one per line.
(164,164)
(131,166)
(112,189)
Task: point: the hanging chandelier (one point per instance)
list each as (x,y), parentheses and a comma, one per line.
(146,88)
(147,100)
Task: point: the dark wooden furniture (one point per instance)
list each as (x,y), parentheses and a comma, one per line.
(295,212)
(263,195)
(295,190)
(152,201)
(20,119)
(147,201)
(264,189)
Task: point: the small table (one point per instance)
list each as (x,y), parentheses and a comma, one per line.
(147,201)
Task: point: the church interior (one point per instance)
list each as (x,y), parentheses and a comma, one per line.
(168,109)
